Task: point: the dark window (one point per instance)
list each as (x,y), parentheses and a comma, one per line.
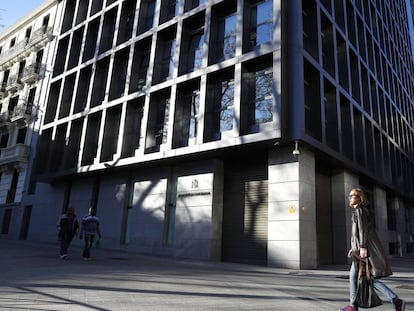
(52,101)
(119,72)
(219,105)
(192,45)
(191,4)
(68,16)
(21,135)
(82,11)
(146,15)
(45,22)
(66,101)
(186,114)
(90,42)
(61,54)
(331,115)
(164,58)
(99,82)
(132,130)
(169,9)
(260,23)
(158,119)
(28,33)
(108,30)
(91,139)
(58,147)
(140,64)
(6,221)
(83,89)
(75,48)
(126,23)
(257,98)
(312,101)
(111,134)
(72,149)
(223,33)
(11,193)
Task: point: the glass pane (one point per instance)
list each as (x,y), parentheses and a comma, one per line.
(264,22)
(229,40)
(263,112)
(195,105)
(227,106)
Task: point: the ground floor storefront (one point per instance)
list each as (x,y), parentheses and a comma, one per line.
(273,209)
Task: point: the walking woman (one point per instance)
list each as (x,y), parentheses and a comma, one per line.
(366,244)
(68,226)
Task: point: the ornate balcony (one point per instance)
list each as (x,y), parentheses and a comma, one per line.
(14,157)
(13,55)
(31,74)
(3,92)
(22,49)
(14,84)
(40,38)
(4,123)
(23,115)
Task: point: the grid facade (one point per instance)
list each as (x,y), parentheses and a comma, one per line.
(358,85)
(138,78)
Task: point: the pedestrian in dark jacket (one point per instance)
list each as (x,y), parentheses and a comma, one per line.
(365,245)
(68,226)
(90,228)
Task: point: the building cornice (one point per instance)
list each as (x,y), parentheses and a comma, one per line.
(22,23)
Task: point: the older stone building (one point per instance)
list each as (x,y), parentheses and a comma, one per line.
(24,58)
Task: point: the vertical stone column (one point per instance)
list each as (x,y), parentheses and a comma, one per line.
(342,183)
(217,210)
(291,210)
(381,222)
(401,226)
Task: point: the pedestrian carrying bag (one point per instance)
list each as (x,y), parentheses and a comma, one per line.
(366,296)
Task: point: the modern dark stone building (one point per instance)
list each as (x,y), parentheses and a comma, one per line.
(229,130)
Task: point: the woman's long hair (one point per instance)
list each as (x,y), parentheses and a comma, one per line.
(358,192)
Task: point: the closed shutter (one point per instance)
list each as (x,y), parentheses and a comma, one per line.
(245,214)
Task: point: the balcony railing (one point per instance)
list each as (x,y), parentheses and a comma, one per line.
(31,74)
(14,84)
(4,123)
(40,37)
(13,53)
(3,92)
(14,156)
(22,49)
(23,115)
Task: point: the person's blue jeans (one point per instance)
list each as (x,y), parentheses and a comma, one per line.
(378,285)
(89,238)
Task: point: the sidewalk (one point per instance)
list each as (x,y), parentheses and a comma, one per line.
(33,277)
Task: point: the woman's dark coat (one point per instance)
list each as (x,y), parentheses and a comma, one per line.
(364,236)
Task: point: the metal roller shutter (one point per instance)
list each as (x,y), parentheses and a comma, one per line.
(245,214)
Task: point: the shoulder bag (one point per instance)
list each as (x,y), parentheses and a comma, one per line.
(366,296)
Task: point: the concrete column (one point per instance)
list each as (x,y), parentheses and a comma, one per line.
(402,237)
(342,183)
(381,221)
(381,218)
(292,239)
(217,211)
